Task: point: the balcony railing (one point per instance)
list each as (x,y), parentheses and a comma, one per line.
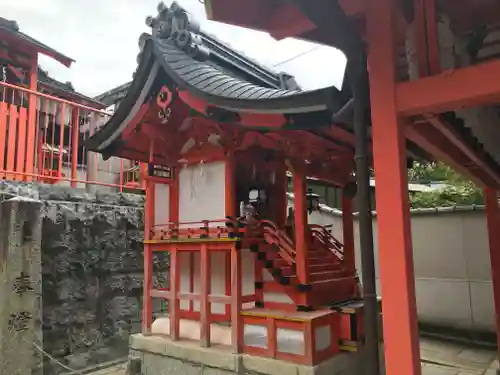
(42,139)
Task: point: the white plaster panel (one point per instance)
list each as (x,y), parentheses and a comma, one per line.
(196,280)
(162,204)
(248,272)
(185,277)
(218,281)
(202,192)
(290,341)
(255,336)
(323,338)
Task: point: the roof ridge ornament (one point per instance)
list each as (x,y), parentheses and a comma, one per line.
(176,24)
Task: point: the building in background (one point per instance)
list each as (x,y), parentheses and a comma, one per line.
(44,122)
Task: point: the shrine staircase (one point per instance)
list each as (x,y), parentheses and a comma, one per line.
(330,280)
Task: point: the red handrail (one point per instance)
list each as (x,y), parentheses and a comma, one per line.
(42,138)
(329,242)
(275,236)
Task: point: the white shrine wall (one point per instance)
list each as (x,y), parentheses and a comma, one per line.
(161,204)
(202,192)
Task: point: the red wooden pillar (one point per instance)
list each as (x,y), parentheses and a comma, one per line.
(493,224)
(147,302)
(205,292)
(174,305)
(33,130)
(236,290)
(348,233)
(149,215)
(230,187)
(143,173)
(301,228)
(402,353)
(232,212)
(75,133)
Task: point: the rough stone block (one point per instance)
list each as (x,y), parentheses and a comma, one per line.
(185,351)
(268,366)
(20,285)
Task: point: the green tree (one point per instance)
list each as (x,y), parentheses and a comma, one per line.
(457,191)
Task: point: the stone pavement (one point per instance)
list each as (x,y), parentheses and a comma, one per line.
(444,358)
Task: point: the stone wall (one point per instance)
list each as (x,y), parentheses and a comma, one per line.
(92,272)
(20,286)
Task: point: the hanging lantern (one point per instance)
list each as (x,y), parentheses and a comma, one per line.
(257,196)
(312,201)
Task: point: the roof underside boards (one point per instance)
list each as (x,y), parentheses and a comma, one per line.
(194,75)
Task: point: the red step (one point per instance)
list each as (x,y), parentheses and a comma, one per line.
(318,276)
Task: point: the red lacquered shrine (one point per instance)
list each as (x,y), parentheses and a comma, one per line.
(220,133)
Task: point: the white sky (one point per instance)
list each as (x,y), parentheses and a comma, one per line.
(102,36)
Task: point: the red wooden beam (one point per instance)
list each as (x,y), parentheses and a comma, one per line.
(353,8)
(32,120)
(288,21)
(432,141)
(301,234)
(449,132)
(452,89)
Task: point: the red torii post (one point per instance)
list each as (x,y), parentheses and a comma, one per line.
(402,350)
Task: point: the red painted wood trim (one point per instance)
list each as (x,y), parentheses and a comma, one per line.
(32,118)
(236,290)
(174,307)
(11,146)
(22,143)
(147,302)
(205,284)
(75,137)
(394,230)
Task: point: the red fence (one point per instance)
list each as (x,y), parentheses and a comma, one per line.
(42,137)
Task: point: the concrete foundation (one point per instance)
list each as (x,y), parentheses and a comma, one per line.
(161,356)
